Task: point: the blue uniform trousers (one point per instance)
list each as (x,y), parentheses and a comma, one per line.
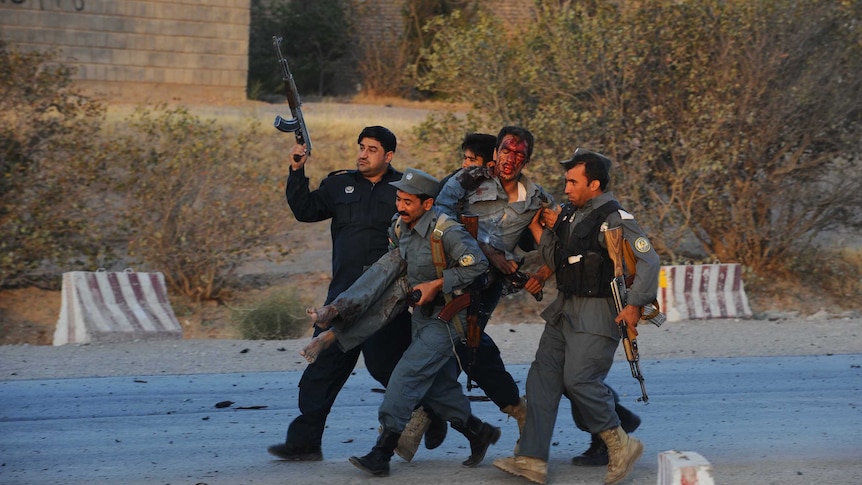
(571,363)
(427,372)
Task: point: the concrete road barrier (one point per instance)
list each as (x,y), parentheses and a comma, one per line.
(114,307)
(684,468)
(702,291)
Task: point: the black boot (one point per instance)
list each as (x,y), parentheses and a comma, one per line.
(481,436)
(377,462)
(628,420)
(596,454)
(296,453)
(436,432)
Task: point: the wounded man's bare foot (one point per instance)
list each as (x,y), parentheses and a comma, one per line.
(317,345)
(322,317)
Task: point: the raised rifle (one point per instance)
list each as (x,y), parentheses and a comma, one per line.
(297,123)
(614,240)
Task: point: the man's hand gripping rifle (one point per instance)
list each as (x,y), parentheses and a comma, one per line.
(297,124)
(628,335)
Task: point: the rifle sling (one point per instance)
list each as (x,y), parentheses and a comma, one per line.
(439,256)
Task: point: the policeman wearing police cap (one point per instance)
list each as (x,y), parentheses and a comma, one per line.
(427,369)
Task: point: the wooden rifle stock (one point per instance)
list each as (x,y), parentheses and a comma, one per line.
(614,241)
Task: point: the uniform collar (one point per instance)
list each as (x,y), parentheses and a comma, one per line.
(426,223)
(598,201)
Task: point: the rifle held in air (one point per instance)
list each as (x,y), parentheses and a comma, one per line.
(297,123)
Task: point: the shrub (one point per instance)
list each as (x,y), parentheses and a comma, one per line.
(46,126)
(279,316)
(733,125)
(190,196)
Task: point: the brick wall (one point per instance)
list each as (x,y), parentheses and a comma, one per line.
(189,50)
(138,50)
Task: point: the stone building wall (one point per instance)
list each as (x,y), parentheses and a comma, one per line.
(140,50)
(181,51)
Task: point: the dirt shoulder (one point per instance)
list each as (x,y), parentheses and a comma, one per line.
(517,342)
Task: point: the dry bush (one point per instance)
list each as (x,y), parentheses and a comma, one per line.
(46,125)
(190,197)
(280,315)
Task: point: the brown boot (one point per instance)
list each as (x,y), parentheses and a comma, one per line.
(412,434)
(623,452)
(519,412)
(533,469)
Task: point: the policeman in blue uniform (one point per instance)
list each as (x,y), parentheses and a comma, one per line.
(440,258)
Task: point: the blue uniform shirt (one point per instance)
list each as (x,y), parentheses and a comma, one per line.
(501,223)
(361,212)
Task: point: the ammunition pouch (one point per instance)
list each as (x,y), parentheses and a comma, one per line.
(584,275)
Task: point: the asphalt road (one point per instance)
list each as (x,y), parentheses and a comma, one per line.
(770,420)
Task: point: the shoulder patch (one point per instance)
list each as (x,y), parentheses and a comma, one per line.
(339,172)
(467,260)
(642,244)
(625,215)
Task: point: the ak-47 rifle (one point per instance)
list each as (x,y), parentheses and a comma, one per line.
(615,242)
(473,331)
(297,123)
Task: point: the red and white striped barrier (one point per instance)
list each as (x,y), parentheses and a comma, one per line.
(703,291)
(684,468)
(114,307)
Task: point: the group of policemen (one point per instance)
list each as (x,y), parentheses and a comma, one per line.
(424,257)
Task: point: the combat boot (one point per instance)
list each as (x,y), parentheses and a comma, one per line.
(436,432)
(623,452)
(519,412)
(412,434)
(628,420)
(377,462)
(481,436)
(597,453)
(296,453)
(533,469)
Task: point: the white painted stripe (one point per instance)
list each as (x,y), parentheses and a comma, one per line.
(108,305)
(90,301)
(161,307)
(132,304)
